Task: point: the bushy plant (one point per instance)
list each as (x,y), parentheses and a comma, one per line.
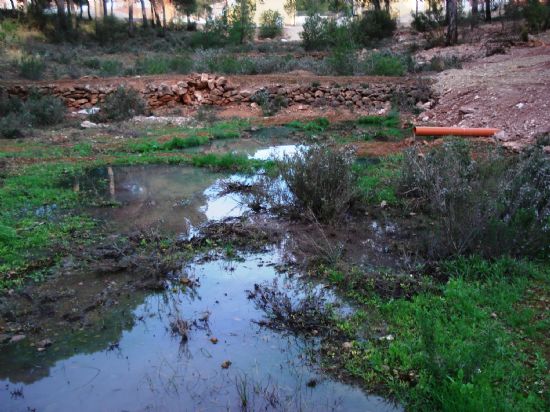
(44,110)
(490,206)
(11,126)
(314,33)
(537,15)
(321,181)
(271,24)
(241,24)
(32,67)
(110,68)
(342,59)
(373,25)
(122,104)
(269,104)
(383,64)
(17,115)
(109,30)
(432,23)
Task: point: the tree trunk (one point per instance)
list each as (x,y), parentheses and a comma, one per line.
(112,4)
(447,7)
(488,10)
(387,5)
(105,11)
(89,11)
(62,18)
(452,28)
(154,6)
(475,13)
(163,15)
(376,4)
(12,5)
(143,13)
(131,18)
(152,13)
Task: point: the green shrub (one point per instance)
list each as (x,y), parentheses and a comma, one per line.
(93,63)
(181,64)
(321,181)
(491,206)
(271,24)
(270,105)
(31,67)
(162,65)
(37,110)
(314,33)
(122,104)
(373,25)
(241,21)
(342,59)
(152,65)
(12,126)
(110,31)
(382,64)
(537,15)
(432,23)
(45,110)
(110,68)
(8,31)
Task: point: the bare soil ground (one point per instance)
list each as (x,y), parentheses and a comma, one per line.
(507,91)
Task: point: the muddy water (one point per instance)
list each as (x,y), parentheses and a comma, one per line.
(135,362)
(173,200)
(151,369)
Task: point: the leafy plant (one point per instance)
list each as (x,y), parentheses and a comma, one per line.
(271,24)
(122,104)
(32,67)
(373,25)
(321,180)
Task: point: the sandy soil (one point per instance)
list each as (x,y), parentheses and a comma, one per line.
(508,91)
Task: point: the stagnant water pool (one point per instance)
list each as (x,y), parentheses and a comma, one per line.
(134,361)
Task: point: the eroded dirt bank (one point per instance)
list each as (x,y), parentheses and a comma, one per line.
(508,91)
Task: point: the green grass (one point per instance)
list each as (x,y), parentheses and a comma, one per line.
(175,143)
(36,215)
(40,218)
(391,120)
(317,125)
(472,345)
(376,180)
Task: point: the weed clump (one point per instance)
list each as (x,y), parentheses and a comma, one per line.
(491,206)
(383,64)
(321,181)
(269,104)
(374,25)
(122,104)
(271,24)
(17,115)
(32,67)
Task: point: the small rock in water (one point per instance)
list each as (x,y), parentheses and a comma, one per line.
(214,340)
(383,204)
(226,364)
(17,338)
(43,344)
(347,345)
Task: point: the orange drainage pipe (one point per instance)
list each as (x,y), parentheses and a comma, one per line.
(453,131)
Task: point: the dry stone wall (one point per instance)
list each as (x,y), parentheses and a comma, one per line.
(205,89)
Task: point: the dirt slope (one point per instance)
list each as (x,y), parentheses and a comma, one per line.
(507,91)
